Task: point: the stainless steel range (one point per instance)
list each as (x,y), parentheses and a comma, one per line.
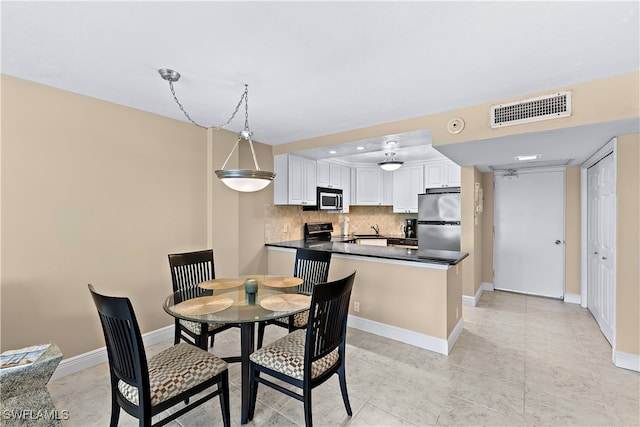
(318,231)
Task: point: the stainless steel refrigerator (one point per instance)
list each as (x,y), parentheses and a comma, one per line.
(439,219)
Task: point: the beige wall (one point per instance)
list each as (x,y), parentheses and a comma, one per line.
(597,101)
(628,245)
(92,192)
(572,231)
(253,254)
(237,219)
(471,239)
(424,300)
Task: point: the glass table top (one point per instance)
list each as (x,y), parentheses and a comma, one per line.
(225,300)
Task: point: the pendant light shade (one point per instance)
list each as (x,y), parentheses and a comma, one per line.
(390,163)
(243,180)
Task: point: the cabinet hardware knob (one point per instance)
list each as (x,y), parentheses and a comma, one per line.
(604,257)
(558,242)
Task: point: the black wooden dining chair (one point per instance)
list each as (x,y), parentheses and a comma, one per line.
(147,388)
(187,271)
(307,358)
(312,267)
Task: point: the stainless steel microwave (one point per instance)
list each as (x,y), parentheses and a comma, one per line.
(329,199)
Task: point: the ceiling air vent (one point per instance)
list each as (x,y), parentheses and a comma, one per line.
(531,110)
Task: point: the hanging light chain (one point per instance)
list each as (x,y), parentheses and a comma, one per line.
(244,97)
(173,92)
(246,108)
(173,76)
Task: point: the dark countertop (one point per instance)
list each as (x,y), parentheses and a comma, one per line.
(337,246)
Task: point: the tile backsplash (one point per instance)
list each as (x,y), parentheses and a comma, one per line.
(284,223)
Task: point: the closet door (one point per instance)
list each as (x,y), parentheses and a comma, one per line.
(601,228)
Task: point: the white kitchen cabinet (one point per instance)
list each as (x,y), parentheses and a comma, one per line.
(329,175)
(295,181)
(373,186)
(369,191)
(441,174)
(408,182)
(345,173)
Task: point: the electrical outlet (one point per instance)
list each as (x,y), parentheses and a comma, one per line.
(356,307)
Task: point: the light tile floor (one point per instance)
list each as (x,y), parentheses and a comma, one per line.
(521,360)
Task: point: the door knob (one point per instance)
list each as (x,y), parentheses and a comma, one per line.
(558,242)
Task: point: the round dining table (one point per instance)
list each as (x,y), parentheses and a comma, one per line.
(242,300)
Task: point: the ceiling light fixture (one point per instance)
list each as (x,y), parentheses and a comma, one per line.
(528,157)
(243,180)
(390,163)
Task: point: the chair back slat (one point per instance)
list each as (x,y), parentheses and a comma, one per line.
(312,267)
(328,318)
(189,269)
(125,350)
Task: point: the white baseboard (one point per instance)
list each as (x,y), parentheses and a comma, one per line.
(472,301)
(455,334)
(573,298)
(95,357)
(487,286)
(627,360)
(406,336)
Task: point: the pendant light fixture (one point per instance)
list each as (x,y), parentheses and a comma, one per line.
(243,180)
(390,163)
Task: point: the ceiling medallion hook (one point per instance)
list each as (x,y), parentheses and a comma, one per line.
(244,180)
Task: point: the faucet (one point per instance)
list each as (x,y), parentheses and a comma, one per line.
(376,228)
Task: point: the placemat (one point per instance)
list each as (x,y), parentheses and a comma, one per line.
(221,283)
(286,302)
(203,305)
(282,282)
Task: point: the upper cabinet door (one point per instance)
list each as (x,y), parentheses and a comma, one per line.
(369,189)
(442,174)
(329,175)
(295,181)
(335,176)
(453,175)
(345,172)
(407,184)
(309,182)
(324,171)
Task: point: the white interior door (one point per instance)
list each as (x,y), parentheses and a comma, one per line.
(529,233)
(601,214)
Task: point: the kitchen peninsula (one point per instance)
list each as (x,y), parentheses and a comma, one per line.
(413,296)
